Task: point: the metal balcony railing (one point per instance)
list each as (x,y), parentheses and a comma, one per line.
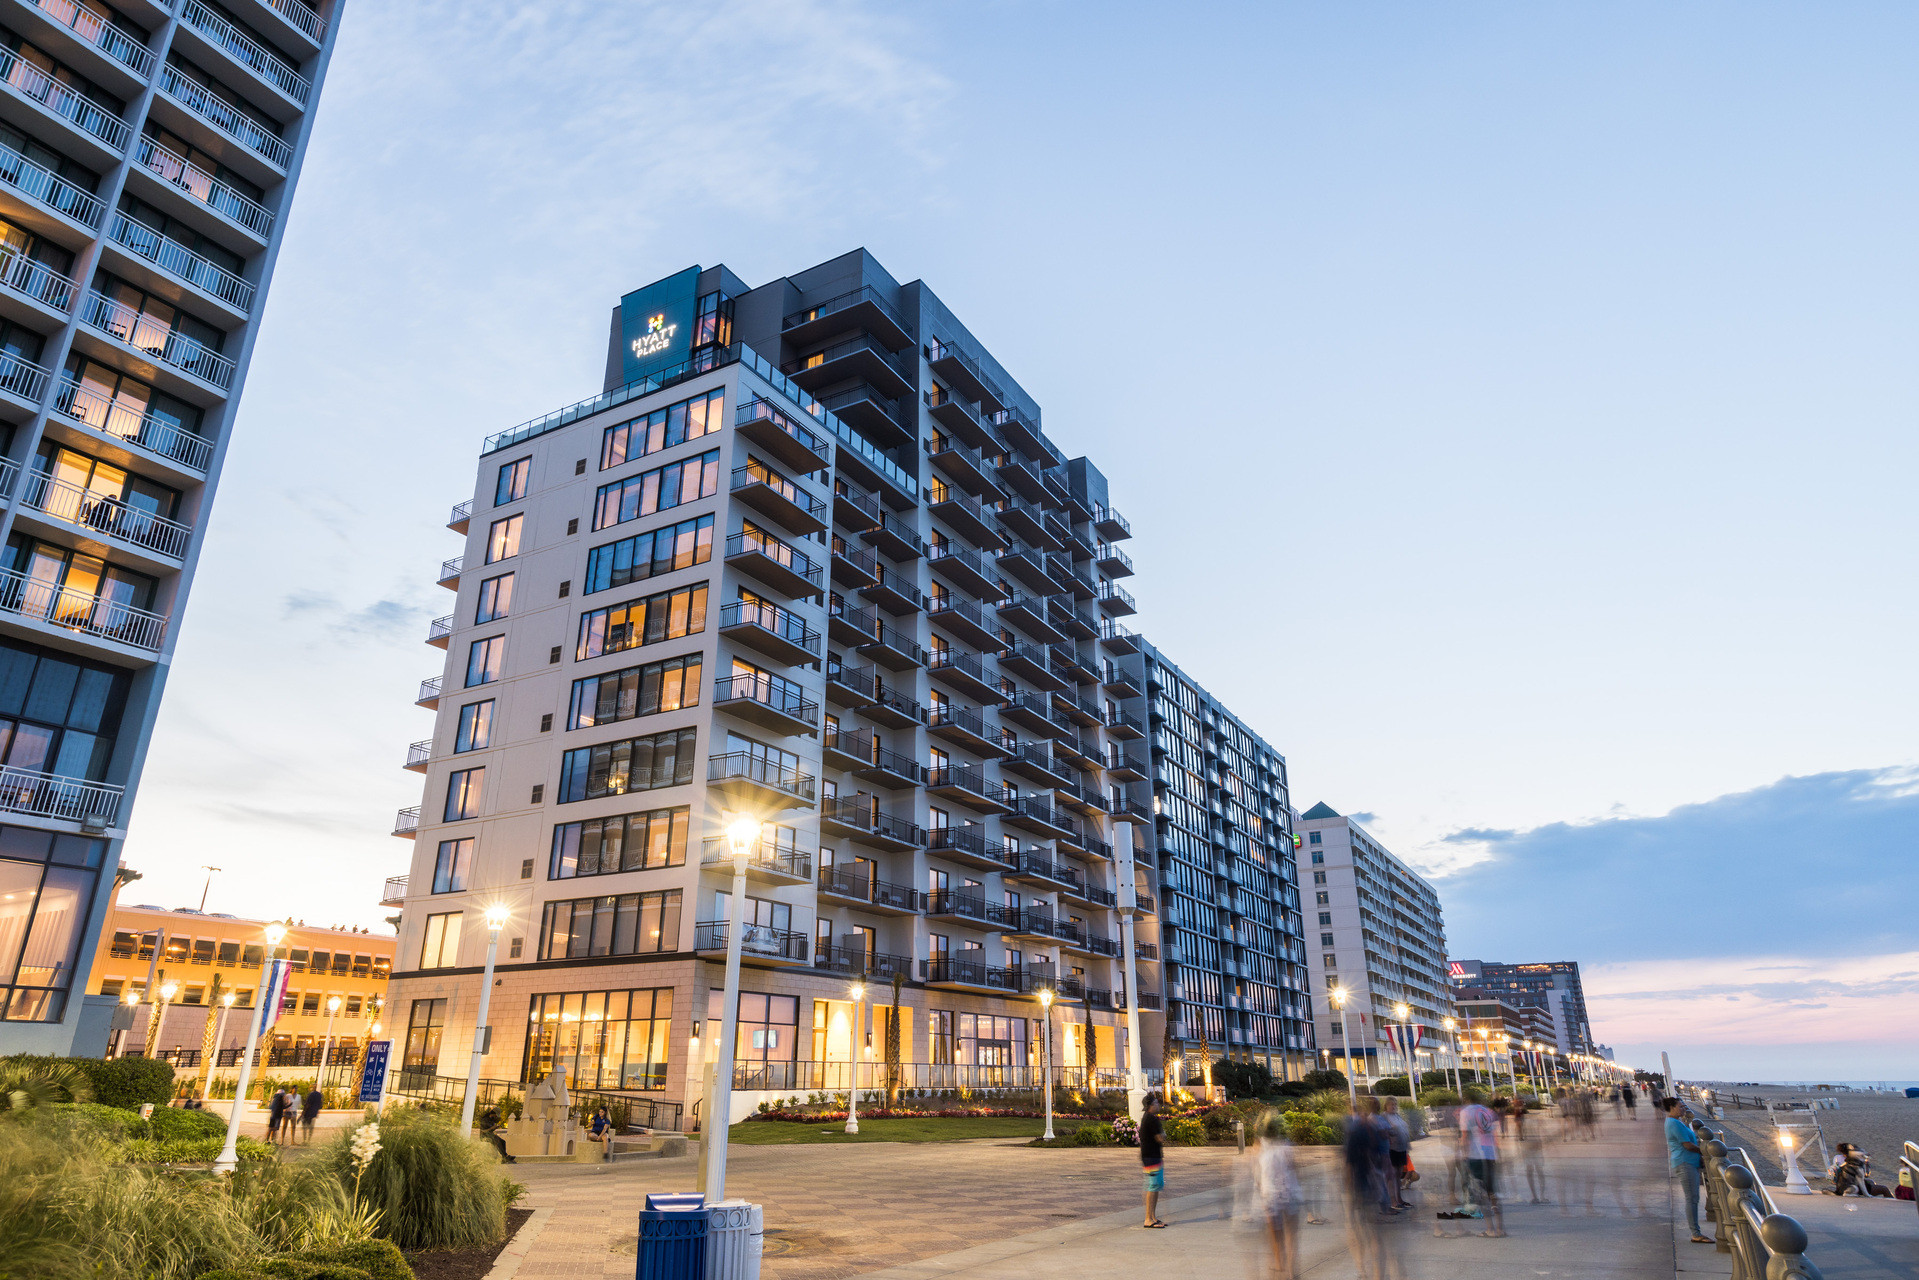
(172,167)
(43,187)
(394,893)
(302,17)
(87,406)
(78,611)
(451,568)
(755,940)
(439,628)
(107,516)
(91,26)
(243,49)
(406,821)
(181,262)
(864,294)
(36,86)
(419,752)
(758,769)
(48,795)
(23,378)
(156,339)
(769,691)
(787,860)
(225,117)
(429,689)
(36,280)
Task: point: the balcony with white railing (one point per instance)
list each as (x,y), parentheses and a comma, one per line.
(48,795)
(22,378)
(26,81)
(42,186)
(106,516)
(300,17)
(9,472)
(58,606)
(182,263)
(177,171)
(245,50)
(93,28)
(36,281)
(157,435)
(156,340)
(225,119)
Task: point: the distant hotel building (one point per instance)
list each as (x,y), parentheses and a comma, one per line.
(810,556)
(1382,938)
(1233,945)
(1552,985)
(148,156)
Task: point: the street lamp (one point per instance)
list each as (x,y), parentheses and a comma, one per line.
(853,1093)
(162,997)
(1046,1007)
(496,918)
(741,832)
(219,1041)
(1404,1013)
(326,1045)
(228,1161)
(1339,997)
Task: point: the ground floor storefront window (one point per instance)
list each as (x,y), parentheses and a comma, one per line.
(604,1039)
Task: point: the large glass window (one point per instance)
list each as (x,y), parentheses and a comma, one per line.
(46,889)
(661,429)
(463,789)
(121,405)
(605,1039)
(440,947)
(150,322)
(476,727)
(57,715)
(626,842)
(670,615)
(483,660)
(511,486)
(503,539)
(635,691)
(611,925)
(85,490)
(769,1025)
(69,586)
(660,489)
(423,1029)
(646,555)
(496,599)
(451,865)
(631,764)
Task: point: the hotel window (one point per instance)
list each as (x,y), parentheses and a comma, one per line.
(657,490)
(613,925)
(939,1035)
(1322,898)
(151,323)
(1325,919)
(57,714)
(511,486)
(67,582)
(463,788)
(113,402)
(1312,837)
(476,727)
(661,429)
(647,555)
(626,842)
(634,692)
(1330,960)
(440,948)
(1319,877)
(46,907)
(503,539)
(496,599)
(670,615)
(988,1041)
(769,1025)
(423,1033)
(631,764)
(88,483)
(605,1039)
(1325,939)
(451,865)
(483,660)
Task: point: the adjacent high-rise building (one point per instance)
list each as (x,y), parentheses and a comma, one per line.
(1554,983)
(1232,939)
(148,156)
(1382,943)
(809,558)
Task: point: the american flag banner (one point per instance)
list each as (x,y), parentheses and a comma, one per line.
(1405,1038)
(273,992)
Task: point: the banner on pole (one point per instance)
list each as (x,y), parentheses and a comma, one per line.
(373,1082)
(273,992)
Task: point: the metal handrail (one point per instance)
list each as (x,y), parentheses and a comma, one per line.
(104,514)
(755,939)
(90,117)
(45,187)
(451,568)
(717,851)
(771,691)
(48,795)
(302,17)
(419,752)
(181,262)
(225,117)
(406,820)
(759,473)
(77,611)
(770,617)
(23,378)
(760,408)
(38,281)
(148,430)
(156,340)
(122,46)
(937,350)
(780,552)
(840,302)
(243,49)
(173,168)
(768,773)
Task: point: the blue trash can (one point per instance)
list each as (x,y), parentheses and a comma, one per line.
(1912,1093)
(672,1238)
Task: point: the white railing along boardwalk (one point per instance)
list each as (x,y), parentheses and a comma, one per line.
(128,422)
(105,515)
(247,51)
(77,611)
(231,121)
(41,89)
(156,339)
(48,795)
(172,167)
(181,263)
(36,280)
(123,47)
(43,187)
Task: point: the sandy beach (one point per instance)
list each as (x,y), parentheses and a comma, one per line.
(1881,1123)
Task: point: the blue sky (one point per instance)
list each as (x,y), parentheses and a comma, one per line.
(1534,384)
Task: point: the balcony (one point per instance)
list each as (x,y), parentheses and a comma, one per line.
(1120,682)
(106,517)
(861,308)
(964,619)
(863,890)
(1031,925)
(850,686)
(1124,725)
(844,750)
(1081,751)
(1091,896)
(971,788)
(964,467)
(1083,940)
(852,625)
(1082,586)
(871,412)
(857,962)
(1026,520)
(854,507)
(1028,567)
(1116,600)
(90,27)
(41,186)
(460,517)
(201,102)
(966,516)
(755,783)
(200,186)
(429,694)
(966,672)
(393,894)
(776,564)
(970,846)
(853,567)
(450,571)
(1035,763)
(894,592)
(269,67)
(1023,433)
(773,864)
(1027,661)
(782,436)
(406,822)
(1147,1000)
(894,540)
(1126,768)
(1017,475)
(440,631)
(892,708)
(759,945)
(71,610)
(418,755)
(37,283)
(1110,524)
(1037,869)
(1077,668)
(963,726)
(1068,706)
(1033,711)
(1028,613)
(1145,951)
(860,356)
(960,416)
(968,907)
(894,649)
(962,372)
(778,633)
(301,18)
(30,84)
(861,821)
(1044,820)
(154,339)
(181,263)
(768,701)
(1113,562)
(779,499)
(967,975)
(882,767)
(94,805)
(972,572)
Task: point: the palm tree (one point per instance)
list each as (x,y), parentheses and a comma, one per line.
(893,1046)
(24,1087)
(207,1046)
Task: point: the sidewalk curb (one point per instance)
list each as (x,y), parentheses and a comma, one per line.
(507,1265)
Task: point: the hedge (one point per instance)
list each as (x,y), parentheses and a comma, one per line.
(123,1082)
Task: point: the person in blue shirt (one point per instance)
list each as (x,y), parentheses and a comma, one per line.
(1682,1153)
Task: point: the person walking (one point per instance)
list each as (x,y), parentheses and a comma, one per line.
(310,1111)
(1682,1154)
(1276,1187)
(1479,1138)
(1399,1152)
(1152,1157)
(1631,1097)
(276,1114)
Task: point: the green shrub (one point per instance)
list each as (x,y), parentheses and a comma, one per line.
(1185,1131)
(1326,1136)
(177,1124)
(1328,1102)
(1438,1098)
(298,1268)
(1324,1079)
(195,1150)
(113,1123)
(1242,1079)
(1093,1135)
(1300,1125)
(380,1259)
(230,1274)
(1392,1087)
(434,1186)
(123,1082)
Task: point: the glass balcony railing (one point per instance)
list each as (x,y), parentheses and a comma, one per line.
(225,117)
(173,168)
(105,515)
(181,262)
(49,602)
(122,420)
(156,340)
(244,50)
(36,86)
(125,48)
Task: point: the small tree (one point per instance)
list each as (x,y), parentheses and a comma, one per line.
(893,1046)
(1205,1059)
(207,1045)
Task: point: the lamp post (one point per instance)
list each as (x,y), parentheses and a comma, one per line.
(1484,1053)
(326,1045)
(853,1091)
(1404,1013)
(132,1001)
(496,916)
(1128,903)
(1512,1065)
(1452,1034)
(228,1161)
(219,1042)
(1338,996)
(162,997)
(1046,1009)
(742,832)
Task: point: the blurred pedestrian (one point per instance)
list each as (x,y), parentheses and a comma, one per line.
(1276,1188)
(1479,1139)
(1631,1096)
(1152,1157)
(310,1111)
(1682,1154)
(1399,1152)
(276,1113)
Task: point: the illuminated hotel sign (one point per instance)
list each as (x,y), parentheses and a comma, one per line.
(657,338)
(651,322)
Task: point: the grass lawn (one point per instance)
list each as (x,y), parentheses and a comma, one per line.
(764,1133)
